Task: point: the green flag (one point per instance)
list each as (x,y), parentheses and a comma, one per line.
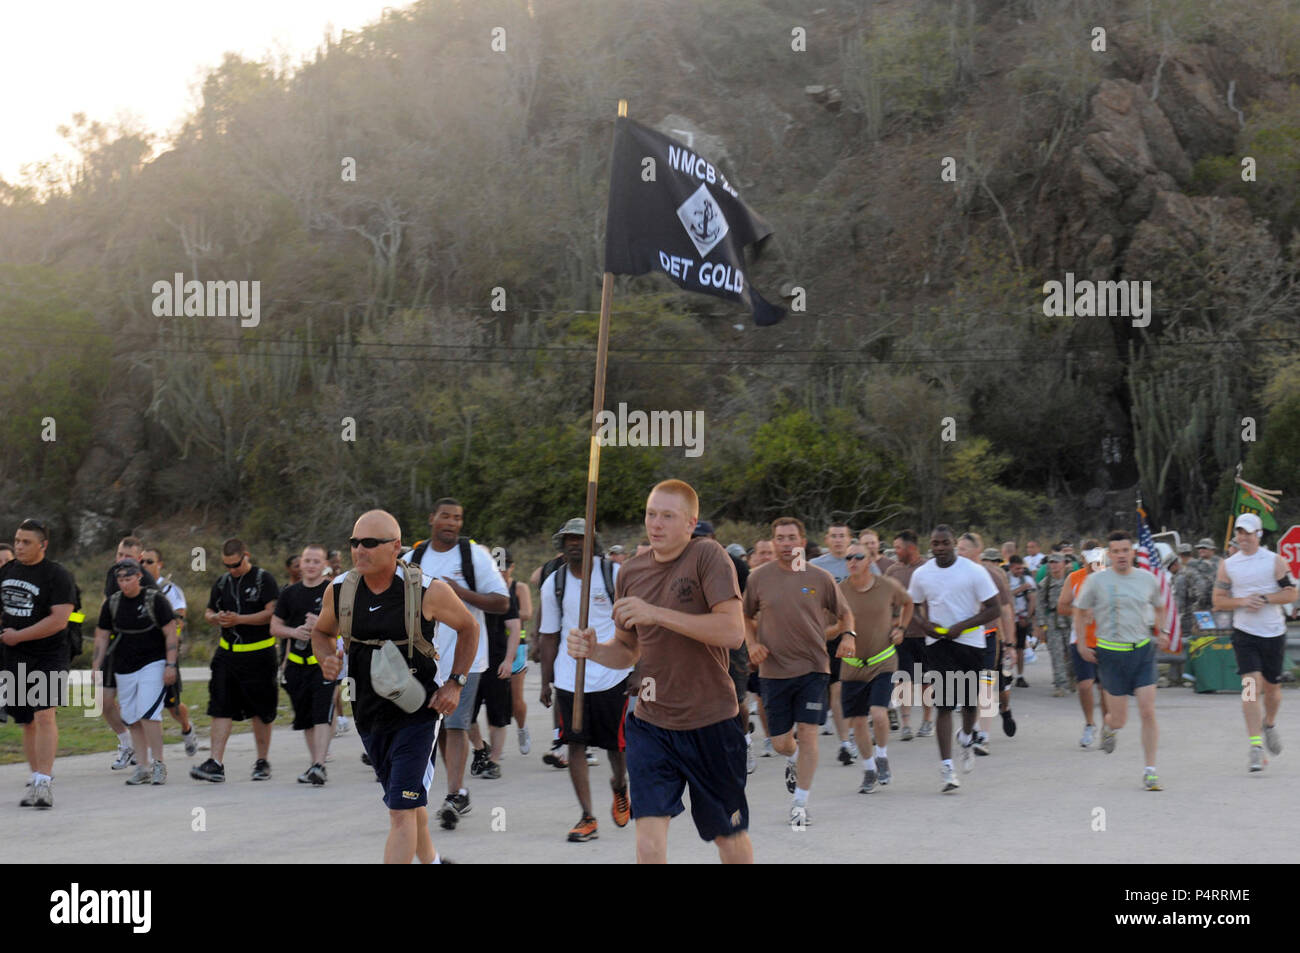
(1245,503)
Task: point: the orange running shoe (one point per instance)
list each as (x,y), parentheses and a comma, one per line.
(584,830)
(622,809)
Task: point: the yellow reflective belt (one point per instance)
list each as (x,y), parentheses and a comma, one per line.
(249,647)
(881,656)
(295,657)
(77,617)
(855,662)
(1121,646)
(975,628)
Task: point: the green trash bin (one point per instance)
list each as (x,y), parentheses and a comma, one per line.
(1211,661)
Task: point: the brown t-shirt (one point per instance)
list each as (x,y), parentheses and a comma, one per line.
(692,684)
(873,619)
(1004,597)
(792,612)
(903,576)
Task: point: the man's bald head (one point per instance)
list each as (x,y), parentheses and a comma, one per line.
(382,558)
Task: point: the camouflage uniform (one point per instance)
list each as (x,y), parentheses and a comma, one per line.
(1058,630)
(1194,590)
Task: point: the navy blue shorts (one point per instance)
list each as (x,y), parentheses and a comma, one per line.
(803,698)
(661,764)
(832,647)
(1123,673)
(1083,671)
(402,759)
(858,698)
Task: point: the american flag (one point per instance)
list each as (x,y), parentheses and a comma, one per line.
(1148,557)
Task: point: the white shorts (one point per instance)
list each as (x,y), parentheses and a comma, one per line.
(140,694)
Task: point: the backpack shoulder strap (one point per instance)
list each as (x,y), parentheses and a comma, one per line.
(467,562)
(561,574)
(607,571)
(347,597)
(414,597)
(417,552)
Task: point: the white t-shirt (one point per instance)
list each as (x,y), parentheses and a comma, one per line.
(1020,603)
(174,593)
(600,616)
(1033,562)
(488,581)
(1255,575)
(953,594)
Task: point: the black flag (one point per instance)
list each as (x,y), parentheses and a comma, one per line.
(688,222)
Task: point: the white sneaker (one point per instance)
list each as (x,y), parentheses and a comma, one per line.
(968,757)
(799,817)
(525,741)
(191,740)
(591,757)
(158,773)
(125,758)
(750,761)
(947,780)
(1089,735)
(768,750)
(342,726)
(853,749)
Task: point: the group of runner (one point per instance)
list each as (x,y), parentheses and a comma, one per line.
(678,636)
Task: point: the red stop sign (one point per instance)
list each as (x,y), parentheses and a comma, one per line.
(1288,547)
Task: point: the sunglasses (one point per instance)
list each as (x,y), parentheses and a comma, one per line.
(232,565)
(858,556)
(369,542)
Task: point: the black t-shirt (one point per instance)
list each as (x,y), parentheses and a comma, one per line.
(139,641)
(497,635)
(383,616)
(742,571)
(110,583)
(246,595)
(292,606)
(27,595)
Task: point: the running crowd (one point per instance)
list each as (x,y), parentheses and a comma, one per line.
(685,643)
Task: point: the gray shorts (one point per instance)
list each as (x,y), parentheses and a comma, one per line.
(460,719)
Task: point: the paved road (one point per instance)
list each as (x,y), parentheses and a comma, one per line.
(1035,799)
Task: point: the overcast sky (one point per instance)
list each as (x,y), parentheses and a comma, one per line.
(142,58)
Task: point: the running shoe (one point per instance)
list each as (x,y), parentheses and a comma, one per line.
(968,756)
(159,773)
(981,743)
(1020,681)
(826,729)
(768,750)
(453,809)
(29,795)
(584,830)
(869,779)
(342,726)
(591,757)
(209,771)
(1089,735)
(191,739)
(43,794)
(750,761)
(908,735)
(853,748)
(1108,738)
(316,774)
(791,776)
(261,770)
(1058,692)
(622,809)
(480,760)
(141,775)
(882,770)
(1151,782)
(1256,758)
(926,730)
(305,777)
(525,741)
(556,756)
(947,779)
(365,759)
(1008,724)
(1272,739)
(845,755)
(799,816)
(893,719)
(125,757)
(491,771)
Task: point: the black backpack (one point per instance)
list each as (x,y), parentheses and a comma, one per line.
(466,559)
(561,580)
(76,642)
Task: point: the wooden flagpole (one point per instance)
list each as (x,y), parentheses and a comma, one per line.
(593,476)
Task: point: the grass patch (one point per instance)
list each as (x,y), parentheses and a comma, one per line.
(81,735)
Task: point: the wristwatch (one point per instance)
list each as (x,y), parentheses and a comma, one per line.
(460,679)
(849,632)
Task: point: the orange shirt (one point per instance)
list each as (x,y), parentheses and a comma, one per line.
(1076,580)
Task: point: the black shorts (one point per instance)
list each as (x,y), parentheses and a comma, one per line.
(753,684)
(662,764)
(804,698)
(858,698)
(172,697)
(953,670)
(494,692)
(911,658)
(602,718)
(110,677)
(53,664)
(244,687)
(1022,633)
(311,695)
(1259,654)
(832,647)
(403,761)
(738,668)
